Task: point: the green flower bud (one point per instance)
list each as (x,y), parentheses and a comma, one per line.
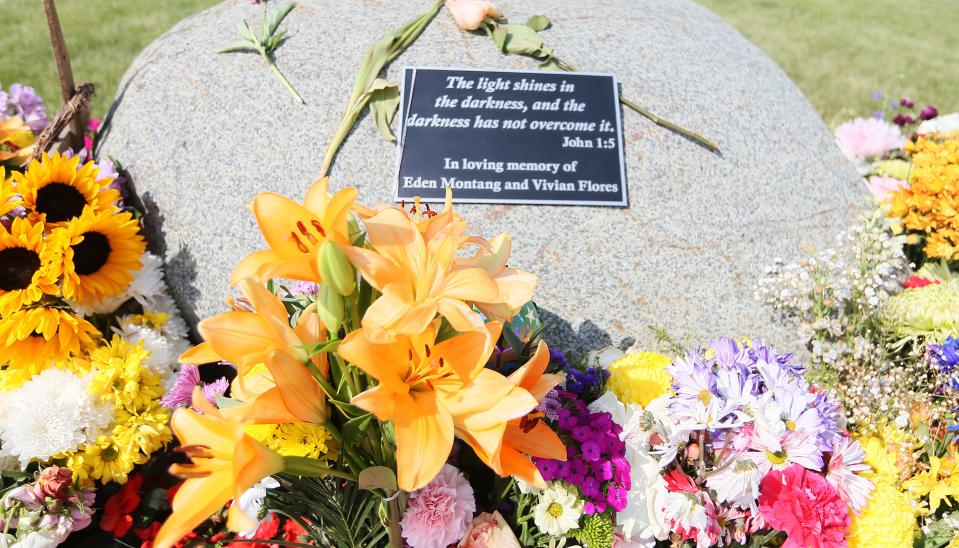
(329,305)
(336,269)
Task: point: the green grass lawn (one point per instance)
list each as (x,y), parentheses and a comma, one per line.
(838,51)
(103,37)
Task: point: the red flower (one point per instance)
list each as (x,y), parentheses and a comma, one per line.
(678,482)
(117,512)
(805,506)
(292,532)
(147,534)
(915,282)
(267,530)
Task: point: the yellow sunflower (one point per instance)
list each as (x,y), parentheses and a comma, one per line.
(16,141)
(9,197)
(43,335)
(57,189)
(29,264)
(104,251)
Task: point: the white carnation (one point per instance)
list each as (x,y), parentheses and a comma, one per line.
(51,413)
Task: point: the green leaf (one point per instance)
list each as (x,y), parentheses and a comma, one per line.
(538,22)
(522,40)
(378,477)
(277,16)
(349,409)
(223,402)
(499,36)
(321,347)
(384,103)
(354,429)
(239,46)
(245,31)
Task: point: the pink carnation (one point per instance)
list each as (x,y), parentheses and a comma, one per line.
(882,187)
(805,506)
(489,531)
(867,137)
(439,513)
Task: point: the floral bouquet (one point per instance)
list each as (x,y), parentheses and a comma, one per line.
(89,337)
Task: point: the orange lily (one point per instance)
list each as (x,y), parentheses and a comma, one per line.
(525,435)
(295,233)
(246,337)
(226,462)
(422,384)
(417,279)
(287,392)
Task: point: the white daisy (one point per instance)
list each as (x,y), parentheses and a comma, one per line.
(848,458)
(558,510)
(794,447)
(737,483)
(51,413)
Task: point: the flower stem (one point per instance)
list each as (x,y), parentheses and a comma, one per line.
(282,78)
(396,539)
(303,466)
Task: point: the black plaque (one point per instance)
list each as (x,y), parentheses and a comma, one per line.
(510,137)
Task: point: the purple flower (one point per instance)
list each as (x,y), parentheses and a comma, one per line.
(305,288)
(877,95)
(906,103)
(903,119)
(928,113)
(24,102)
(181,394)
(591,451)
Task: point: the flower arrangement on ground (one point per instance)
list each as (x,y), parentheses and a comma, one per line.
(89,338)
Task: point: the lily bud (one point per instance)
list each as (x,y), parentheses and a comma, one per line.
(335,268)
(329,306)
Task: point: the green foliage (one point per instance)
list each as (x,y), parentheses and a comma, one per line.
(339,513)
(266,43)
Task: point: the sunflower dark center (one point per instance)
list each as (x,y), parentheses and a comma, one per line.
(60,201)
(91,254)
(17,266)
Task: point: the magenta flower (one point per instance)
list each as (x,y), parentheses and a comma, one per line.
(181,394)
(928,113)
(805,506)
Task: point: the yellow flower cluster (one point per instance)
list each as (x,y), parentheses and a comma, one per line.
(929,205)
(886,521)
(140,424)
(73,246)
(640,377)
(300,439)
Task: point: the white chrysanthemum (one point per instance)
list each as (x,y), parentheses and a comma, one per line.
(51,413)
(147,284)
(558,510)
(174,328)
(163,351)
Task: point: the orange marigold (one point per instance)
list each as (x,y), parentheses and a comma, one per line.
(929,207)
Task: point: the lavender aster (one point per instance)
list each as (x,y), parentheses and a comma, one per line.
(24,102)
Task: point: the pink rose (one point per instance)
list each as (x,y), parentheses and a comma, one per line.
(489,531)
(470,14)
(54,482)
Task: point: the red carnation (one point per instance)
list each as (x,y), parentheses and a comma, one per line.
(117,512)
(805,506)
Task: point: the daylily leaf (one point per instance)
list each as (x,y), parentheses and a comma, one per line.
(378,477)
(383,105)
(499,36)
(354,429)
(239,46)
(538,22)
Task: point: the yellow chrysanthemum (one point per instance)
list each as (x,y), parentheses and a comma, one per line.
(17,141)
(640,377)
(954,543)
(295,439)
(882,460)
(149,318)
(56,189)
(41,336)
(887,521)
(931,312)
(104,251)
(145,430)
(929,205)
(104,461)
(30,265)
(121,375)
(9,197)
